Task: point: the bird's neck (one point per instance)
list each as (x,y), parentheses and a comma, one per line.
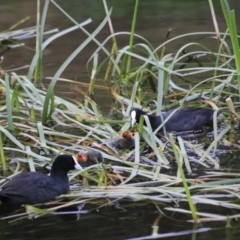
(58,174)
(155,121)
(61,178)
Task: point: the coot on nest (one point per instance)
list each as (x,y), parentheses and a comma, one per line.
(183,119)
(35,187)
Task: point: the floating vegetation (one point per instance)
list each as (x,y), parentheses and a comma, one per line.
(169,169)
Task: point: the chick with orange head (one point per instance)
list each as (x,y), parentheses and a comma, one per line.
(89,157)
(126,141)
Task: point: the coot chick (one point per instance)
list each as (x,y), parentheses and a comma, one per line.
(91,157)
(183,119)
(126,141)
(35,187)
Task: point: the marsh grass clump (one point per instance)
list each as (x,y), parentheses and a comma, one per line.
(36,123)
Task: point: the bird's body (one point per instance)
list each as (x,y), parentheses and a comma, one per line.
(92,157)
(35,187)
(182,119)
(126,141)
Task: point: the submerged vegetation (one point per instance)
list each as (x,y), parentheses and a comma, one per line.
(36,124)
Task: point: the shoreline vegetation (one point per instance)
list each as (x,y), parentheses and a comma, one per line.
(31,116)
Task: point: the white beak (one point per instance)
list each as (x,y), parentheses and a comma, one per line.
(133,118)
(77,165)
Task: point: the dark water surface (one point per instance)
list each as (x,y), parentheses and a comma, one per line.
(155,18)
(127,221)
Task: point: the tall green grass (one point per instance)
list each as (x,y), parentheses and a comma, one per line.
(31,117)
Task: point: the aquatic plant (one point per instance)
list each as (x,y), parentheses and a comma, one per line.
(36,123)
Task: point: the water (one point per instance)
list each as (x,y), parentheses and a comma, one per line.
(155,18)
(130,221)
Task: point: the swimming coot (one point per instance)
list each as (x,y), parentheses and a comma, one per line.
(35,187)
(183,119)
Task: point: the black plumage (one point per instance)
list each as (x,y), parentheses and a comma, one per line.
(35,187)
(182,119)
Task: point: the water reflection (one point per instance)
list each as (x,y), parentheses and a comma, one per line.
(124,222)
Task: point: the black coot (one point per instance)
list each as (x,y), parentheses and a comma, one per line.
(35,187)
(183,119)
